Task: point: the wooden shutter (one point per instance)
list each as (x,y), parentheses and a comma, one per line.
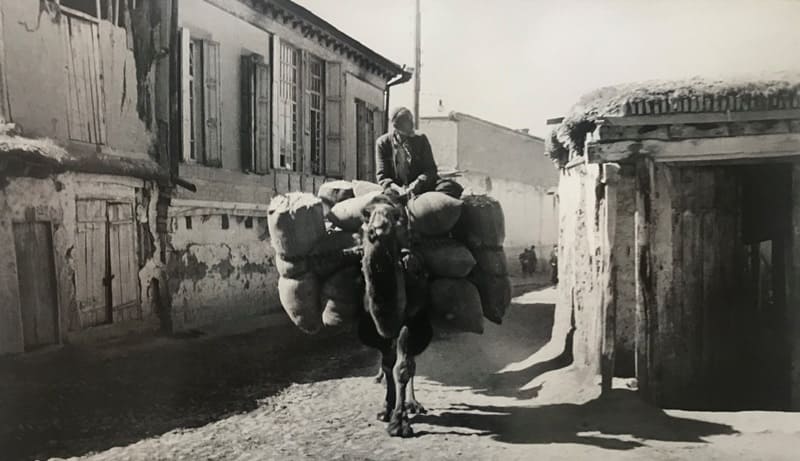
(211,104)
(305,121)
(91,263)
(334,160)
(262,115)
(247,122)
(122,253)
(277,119)
(186,116)
(377,121)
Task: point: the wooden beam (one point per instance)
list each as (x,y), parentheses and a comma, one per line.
(645,176)
(701,117)
(705,149)
(609,281)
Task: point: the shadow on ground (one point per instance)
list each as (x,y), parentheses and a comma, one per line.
(82,399)
(620,421)
(466,360)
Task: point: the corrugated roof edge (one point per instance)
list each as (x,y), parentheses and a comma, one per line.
(695,95)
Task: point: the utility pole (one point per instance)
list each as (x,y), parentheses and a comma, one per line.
(417,64)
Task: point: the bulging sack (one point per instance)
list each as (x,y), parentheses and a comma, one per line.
(433,213)
(334,192)
(495,294)
(365,187)
(491,261)
(342,296)
(300,299)
(456,304)
(347,214)
(334,251)
(482,222)
(295,223)
(447,258)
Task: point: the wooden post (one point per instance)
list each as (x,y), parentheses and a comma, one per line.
(609,299)
(417,62)
(644,279)
(5,110)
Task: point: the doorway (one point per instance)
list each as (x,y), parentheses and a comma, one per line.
(106,271)
(36,275)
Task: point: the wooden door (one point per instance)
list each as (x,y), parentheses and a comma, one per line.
(91,263)
(123,272)
(37,283)
(86,99)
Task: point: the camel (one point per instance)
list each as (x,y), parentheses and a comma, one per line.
(395,318)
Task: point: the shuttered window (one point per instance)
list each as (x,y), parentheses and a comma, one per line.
(315,94)
(289,152)
(334,161)
(369,124)
(202,121)
(255,122)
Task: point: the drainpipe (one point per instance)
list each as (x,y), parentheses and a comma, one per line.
(404,76)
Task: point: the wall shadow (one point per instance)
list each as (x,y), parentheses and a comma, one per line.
(619,421)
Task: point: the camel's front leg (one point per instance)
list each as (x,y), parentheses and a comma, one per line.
(402,372)
(388,359)
(412,405)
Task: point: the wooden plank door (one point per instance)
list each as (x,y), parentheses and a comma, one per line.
(124,274)
(37,283)
(86,99)
(91,263)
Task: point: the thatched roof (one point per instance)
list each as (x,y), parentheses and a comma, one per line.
(668,97)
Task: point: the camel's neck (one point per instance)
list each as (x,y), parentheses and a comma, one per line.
(385,298)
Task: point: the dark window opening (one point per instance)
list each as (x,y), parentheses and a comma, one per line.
(84,6)
(188,222)
(248,222)
(225,222)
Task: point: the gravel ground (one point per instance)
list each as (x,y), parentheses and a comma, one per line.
(243,398)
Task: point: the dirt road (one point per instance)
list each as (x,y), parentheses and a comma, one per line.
(242,399)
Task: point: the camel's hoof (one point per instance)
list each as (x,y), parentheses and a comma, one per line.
(379,378)
(414,407)
(400,427)
(385,416)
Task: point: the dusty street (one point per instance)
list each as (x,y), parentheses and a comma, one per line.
(243,397)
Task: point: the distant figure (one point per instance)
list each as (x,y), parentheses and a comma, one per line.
(554,265)
(404,160)
(527,261)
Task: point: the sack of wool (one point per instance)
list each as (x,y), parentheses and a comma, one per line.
(491,261)
(365,187)
(334,192)
(447,258)
(495,294)
(342,296)
(347,215)
(456,304)
(329,255)
(300,299)
(295,223)
(433,213)
(294,268)
(482,223)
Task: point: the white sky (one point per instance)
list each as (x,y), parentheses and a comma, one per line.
(519,62)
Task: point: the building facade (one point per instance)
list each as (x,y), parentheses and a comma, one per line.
(507,164)
(79,169)
(679,241)
(141,143)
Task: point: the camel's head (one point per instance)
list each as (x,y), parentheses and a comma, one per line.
(381,219)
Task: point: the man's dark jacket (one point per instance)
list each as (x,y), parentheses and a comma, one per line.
(422,165)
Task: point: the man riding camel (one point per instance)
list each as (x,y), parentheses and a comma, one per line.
(404,160)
